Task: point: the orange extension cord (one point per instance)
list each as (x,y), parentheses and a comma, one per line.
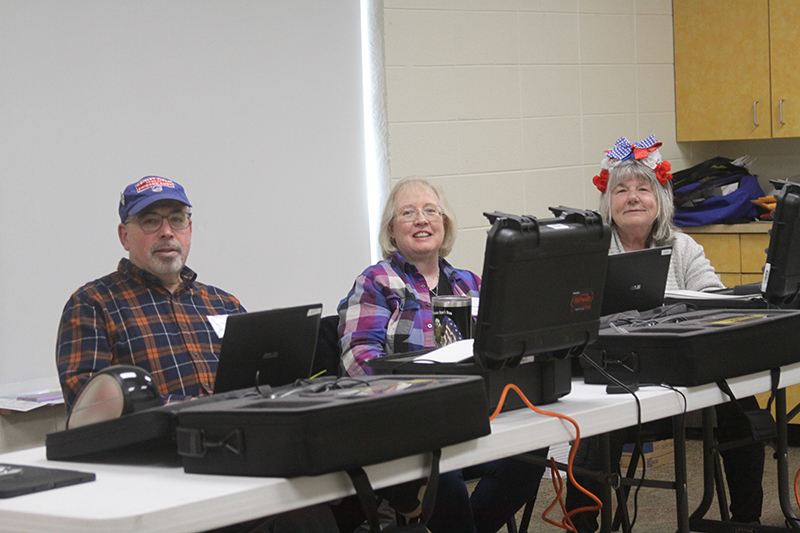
(558,483)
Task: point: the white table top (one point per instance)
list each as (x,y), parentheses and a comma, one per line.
(162,498)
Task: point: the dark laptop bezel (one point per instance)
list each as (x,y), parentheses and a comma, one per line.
(288,336)
(636,281)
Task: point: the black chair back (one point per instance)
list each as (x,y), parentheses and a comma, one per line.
(327,355)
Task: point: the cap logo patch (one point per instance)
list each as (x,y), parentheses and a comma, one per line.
(153,182)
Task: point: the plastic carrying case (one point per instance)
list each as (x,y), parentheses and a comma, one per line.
(696,347)
(146,435)
(313,427)
(541,294)
(331,424)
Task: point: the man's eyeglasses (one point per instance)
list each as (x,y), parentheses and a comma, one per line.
(151,222)
(410,214)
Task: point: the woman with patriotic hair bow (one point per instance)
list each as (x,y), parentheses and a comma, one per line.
(636,201)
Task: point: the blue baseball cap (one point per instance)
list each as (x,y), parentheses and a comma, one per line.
(146,191)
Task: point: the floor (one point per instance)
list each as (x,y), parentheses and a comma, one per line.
(656,507)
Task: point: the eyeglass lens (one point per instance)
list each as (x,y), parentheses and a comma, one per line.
(430,212)
(152,222)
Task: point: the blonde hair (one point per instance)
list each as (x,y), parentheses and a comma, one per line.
(387,218)
(663,231)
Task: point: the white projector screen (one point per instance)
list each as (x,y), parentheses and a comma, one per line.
(254,106)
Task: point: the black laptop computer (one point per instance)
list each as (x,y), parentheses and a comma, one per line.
(274,347)
(635,281)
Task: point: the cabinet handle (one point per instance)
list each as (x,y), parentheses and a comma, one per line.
(755,121)
(780,114)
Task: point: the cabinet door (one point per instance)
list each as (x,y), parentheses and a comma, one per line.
(754,252)
(751,278)
(722,69)
(784,17)
(723,250)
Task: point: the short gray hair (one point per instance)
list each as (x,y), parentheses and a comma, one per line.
(663,231)
(387,218)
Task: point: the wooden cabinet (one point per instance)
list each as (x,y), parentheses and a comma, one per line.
(737,69)
(784,17)
(737,252)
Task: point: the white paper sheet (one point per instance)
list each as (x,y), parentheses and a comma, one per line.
(700,295)
(452,353)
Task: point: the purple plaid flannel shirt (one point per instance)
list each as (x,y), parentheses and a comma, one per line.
(388,311)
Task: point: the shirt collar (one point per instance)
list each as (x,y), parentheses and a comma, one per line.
(150,280)
(407,267)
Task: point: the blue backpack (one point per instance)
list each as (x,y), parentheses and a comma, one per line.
(699,198)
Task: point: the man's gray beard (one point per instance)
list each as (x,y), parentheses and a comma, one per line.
(165,268)
(168,268)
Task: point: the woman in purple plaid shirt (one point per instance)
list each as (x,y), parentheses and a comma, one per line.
(389,311)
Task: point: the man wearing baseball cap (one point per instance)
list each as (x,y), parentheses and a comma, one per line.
(151,312)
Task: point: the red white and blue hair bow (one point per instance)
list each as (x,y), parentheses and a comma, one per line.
(623,149)
(645,151)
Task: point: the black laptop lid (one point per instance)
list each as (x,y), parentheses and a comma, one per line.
(276,345)
(636,280)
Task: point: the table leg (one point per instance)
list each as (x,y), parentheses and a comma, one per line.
(681,494)
(606,516)
(783,460)
(712,472)
(712,478)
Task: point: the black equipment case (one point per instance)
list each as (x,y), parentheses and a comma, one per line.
(541,295)
(320,426)
(694,348)
(543,379)
(147,434)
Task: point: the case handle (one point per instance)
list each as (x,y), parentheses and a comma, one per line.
(522,222)
(193,442)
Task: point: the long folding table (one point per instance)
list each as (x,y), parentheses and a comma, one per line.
(154,498)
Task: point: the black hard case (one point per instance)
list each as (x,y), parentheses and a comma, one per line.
(542,285)
(696,347)
(543,379)
(145,435)
(541,294)
(323,428)
(326,425)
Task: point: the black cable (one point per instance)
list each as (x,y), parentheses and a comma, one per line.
(616,381)
(638,435)
(641,450)
(673,389)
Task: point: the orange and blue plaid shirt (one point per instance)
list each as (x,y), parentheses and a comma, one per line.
(129,318)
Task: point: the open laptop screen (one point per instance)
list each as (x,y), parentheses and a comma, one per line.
(274,347)
(636,280)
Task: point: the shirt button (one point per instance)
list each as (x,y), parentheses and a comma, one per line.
(430,326)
